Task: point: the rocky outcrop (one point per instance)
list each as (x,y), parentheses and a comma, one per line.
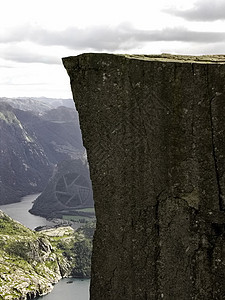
(32,262)
(153,127)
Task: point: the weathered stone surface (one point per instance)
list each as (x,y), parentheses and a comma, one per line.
(154,129)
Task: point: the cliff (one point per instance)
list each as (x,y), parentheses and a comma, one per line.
(154,131)
(31,262)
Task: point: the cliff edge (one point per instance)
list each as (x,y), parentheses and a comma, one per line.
(154,130)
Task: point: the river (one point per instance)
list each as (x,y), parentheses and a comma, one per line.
(19,211)
(67,288)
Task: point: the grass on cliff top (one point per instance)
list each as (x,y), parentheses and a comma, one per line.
(166,57)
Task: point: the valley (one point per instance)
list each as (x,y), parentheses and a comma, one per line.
(44,170)
(34,138)
(32,262)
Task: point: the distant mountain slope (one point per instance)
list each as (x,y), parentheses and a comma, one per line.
(57,131)
(37,105)
(68,190)
(31,144)
(24,167)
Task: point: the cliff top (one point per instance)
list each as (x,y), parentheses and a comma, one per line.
(180,58)
(164,57)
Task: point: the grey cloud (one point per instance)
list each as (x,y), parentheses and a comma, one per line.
(197,49)
(123,37)
(27,84)
(106,38)
(182,35)
(25,56)
(203,10)
(74,38)
(6,66)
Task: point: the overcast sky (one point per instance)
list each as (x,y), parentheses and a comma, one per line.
(36,34)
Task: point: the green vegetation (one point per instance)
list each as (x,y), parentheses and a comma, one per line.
(31,262)
(83,251)
(2,117)
(81,219)
(9,117)
(10,227)
(88,230)
(88,210)
(83,215)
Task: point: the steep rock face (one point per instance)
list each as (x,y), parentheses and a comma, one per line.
(153,127)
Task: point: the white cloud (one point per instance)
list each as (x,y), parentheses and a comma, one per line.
(34,80)
(34,35)
(202,10)
(22,54)
(99,38)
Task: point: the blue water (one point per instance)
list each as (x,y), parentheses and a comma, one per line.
(20,212)
(77,290)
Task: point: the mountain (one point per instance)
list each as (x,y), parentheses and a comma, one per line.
(37,105)
(32,262)
(32,143)
(24,167)
(57,131)
(68,192)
